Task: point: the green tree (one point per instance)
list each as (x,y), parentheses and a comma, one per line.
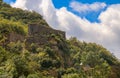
(33,76)
(3,54)
(21,65)
(98,67)
(9,70)
(46,63)
(15,47)
(71,76)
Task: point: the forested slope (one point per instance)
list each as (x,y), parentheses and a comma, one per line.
(60,58)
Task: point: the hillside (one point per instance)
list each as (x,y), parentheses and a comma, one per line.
(30,48)
(16,14)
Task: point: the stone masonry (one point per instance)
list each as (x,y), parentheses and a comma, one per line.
(39,34)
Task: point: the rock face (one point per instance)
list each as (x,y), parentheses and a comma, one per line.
(36,34)
(13,37)
(34,29)
(39,34)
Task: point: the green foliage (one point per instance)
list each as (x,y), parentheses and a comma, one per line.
(49,51)
(56,63)
(21,65)
(46,63)
(15,47)
(7,26)
(91,58)
(2,4)
(33,66)
(93,62)
(33,76)
(33,48)
(59,58)
(71,76)
(2,54)
(71,70)
(10,68)
(16,14)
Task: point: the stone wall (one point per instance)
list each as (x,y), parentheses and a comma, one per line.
(39,34)
(13,37)
(36,34)
(34,29)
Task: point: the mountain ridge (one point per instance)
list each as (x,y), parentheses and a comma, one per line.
(30,48)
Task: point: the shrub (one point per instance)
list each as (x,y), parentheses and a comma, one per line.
(71,76)
(33,76)
(46,63)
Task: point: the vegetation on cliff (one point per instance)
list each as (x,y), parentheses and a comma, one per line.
(59,58)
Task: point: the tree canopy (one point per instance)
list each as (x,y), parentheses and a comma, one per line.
(59,58)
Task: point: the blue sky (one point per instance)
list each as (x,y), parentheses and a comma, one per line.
(9,1)
(59,3)
(91,16)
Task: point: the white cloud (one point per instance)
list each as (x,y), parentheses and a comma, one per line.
(44,7)
(19,4)
(81,7)
(105,33)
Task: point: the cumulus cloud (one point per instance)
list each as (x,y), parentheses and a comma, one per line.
(81,7)
(105,33)
(19,4)
(44,7)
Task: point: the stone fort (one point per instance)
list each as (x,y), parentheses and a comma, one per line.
(39,34)
(36,34)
